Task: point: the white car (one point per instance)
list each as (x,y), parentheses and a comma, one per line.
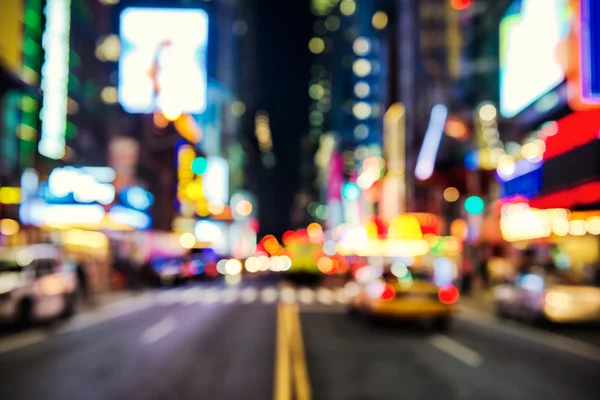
(538,298)
(35,284)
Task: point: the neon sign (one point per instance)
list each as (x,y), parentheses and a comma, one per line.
(83,184)
(55,78)
(431,142)
(185,176)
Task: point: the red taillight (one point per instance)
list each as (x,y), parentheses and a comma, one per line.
(448,294)
(388,293)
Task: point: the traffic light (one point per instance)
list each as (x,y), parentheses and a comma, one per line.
(350,191)
(474,205)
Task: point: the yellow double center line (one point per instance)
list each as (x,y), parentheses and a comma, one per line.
(291,373)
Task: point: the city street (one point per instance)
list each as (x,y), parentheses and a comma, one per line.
(217,342)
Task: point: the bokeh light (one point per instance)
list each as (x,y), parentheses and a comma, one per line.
(316,45)
(451,194)
(244,208)
(379,20)
(187,240)
(474,205)
(347,7)
(361,46)
(9,227)
(361,67)
(233,267)
(314,230)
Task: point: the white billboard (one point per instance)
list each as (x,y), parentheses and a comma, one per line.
(162,66)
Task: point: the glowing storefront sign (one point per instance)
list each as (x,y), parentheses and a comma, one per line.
(83,184)
(519,222)
(590,51)
(55,78)
(216,180)
(37,212)
(129,217)
(431,142)
(185,176)
(531,34)
(388,248)
(163,61)
(212,234)
(137,197)
(393,198)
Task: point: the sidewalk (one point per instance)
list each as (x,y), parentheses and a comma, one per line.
(482,300)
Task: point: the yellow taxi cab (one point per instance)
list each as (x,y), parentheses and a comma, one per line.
(403,294)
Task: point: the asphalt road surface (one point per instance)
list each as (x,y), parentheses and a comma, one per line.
(215,342)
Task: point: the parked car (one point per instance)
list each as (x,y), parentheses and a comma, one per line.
(36,284)
(538,298)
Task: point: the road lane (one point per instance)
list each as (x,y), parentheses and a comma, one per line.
(203,350)
(351,359)
(217,341)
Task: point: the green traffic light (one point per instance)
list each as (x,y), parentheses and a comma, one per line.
(199,165)
(474,205)
(350,191)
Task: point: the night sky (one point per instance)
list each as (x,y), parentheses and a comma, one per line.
(284,29)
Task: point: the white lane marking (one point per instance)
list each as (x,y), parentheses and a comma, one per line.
(21,340)
(287,295)
(169,297)
(456,350)
(229,295)
(104,314)
(553,340)
(306,295)
(248,295)
(268,295)
(193,295)
(210,296)
(340,296)
(158,331)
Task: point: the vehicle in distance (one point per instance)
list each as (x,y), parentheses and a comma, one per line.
(35,284)
(401,294)
(535,298)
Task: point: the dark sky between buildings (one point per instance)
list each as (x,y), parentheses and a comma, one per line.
(283,63)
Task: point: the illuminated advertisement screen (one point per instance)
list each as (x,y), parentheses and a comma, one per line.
(216,180)
(532,35)
(162,66)
(590,51)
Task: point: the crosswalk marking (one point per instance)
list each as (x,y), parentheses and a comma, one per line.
(248,295)
(269,295)
(306,295)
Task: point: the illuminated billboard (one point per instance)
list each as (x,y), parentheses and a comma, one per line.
(216,180)
(55,78)
(590,51)
(533,34)
(162,66)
